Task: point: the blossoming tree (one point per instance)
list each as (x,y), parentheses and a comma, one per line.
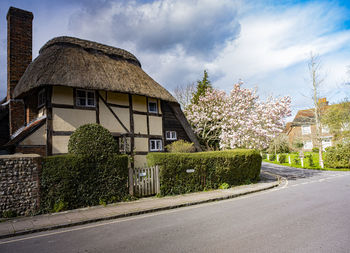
(237,120)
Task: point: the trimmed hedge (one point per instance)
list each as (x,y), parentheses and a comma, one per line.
(72,181)
(93,141)
(338,156)
(211,169)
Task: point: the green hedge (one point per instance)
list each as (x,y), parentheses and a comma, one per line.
(211,169)
(72,181)
(337,157)
(93,141)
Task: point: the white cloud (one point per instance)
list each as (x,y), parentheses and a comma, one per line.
(195,27)
(176,40)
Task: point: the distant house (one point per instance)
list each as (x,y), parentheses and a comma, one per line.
(73,82)
(303,130)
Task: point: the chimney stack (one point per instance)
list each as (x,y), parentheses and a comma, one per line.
(19,56)
(19,46)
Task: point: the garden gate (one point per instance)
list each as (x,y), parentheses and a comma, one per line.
(146,181)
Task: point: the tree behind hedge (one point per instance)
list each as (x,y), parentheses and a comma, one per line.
(93,141)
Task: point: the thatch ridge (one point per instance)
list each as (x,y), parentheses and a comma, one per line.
(77,63)
(88,45)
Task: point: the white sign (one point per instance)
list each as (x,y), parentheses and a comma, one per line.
(190,171)
(142,174)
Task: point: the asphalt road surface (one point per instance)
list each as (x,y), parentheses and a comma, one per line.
(310,212)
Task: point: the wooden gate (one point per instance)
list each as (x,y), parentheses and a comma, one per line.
(146,181)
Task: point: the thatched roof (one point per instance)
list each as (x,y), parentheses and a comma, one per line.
(73,62)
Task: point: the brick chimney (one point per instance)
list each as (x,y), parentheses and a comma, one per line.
(19,56)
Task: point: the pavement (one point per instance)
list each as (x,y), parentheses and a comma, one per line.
(26,225)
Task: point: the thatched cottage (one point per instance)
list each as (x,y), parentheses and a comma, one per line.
(73,82)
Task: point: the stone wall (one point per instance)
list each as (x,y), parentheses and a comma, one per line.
(19,183)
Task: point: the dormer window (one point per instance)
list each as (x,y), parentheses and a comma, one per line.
(152,107)
(85,98)
(41,98)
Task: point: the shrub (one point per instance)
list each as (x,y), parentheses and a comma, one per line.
(72,181)
(224,186)
(315,150)
(188,172)
(93,141)
(296,161)
(272,157)
(264,156)
(181,146)
(338,157)
(282,158)
(311,160)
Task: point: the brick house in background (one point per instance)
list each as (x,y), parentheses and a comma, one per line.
(73,82)
(303,129)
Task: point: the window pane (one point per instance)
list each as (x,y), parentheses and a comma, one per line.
(81,101)
(153,145)
(159,145)
(91,95)
(91,102)
(81,94)
(152,106)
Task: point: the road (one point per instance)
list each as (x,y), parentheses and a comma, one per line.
(308,213)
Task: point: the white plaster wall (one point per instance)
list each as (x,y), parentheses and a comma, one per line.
(140,124)
(141,144)
(70,119)
(155,125)
(140,161)
(117,98)
(62,95)
(60,144)
(36,138)
(139,103)
(108,120)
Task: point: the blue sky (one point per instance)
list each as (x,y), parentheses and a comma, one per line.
(267,44)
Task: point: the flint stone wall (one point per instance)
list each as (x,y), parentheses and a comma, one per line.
(19,183)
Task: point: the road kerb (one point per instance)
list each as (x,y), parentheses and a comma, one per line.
(145,211)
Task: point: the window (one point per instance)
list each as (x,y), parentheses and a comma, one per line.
(152,107)
(155,145)
(306,129)
(85,98)
(326,142)
(308,145)
(325,129)
(170,135)
(41,98)
(345,126)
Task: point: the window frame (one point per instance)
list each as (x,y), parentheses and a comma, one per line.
(41,93)
(156,106)
(303,131)
(156,141)
(304,144)
(172,135)
(86,97)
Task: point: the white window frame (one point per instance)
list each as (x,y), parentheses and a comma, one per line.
(86,97)
(305,129)
(325,129)
(171,135)
(149,107)
(345,126)
(41,96)
(307,147)
(326,140)
(157,143)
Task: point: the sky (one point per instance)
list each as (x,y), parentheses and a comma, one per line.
(266,44)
